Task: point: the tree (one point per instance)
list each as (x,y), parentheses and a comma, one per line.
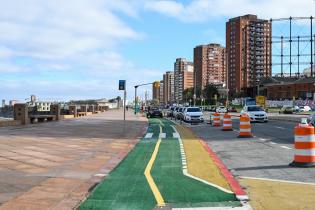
(209,91)
(188,93)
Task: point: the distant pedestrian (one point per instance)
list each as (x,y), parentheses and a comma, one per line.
(127,107)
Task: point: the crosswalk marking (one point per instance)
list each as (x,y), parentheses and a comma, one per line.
(148,135)
(162,135)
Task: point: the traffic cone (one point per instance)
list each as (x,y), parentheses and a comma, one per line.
(227,122)
(216,120)
(304,144)
(245,127)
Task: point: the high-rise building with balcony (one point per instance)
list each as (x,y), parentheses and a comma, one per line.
(183,77)
(248,52)
(209,65)
(168,82)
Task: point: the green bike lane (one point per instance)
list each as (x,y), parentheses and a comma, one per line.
(126,187)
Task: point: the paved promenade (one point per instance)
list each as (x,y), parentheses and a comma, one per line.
(53,165)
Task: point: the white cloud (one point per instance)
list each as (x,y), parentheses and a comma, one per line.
(74,38)
(206,10)
(59,29)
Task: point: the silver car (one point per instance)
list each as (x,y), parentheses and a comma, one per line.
(311,119)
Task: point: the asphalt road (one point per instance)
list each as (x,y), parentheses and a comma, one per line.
(266,155)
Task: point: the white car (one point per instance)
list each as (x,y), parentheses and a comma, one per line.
(193,114)
(256,113)
(305,108)
(221,109)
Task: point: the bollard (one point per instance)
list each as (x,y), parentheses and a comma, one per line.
(216,120)
(304,144)
(245,127)
(227,122)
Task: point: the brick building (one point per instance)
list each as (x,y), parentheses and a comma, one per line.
(168,82)
(183,77)
(209,65)
(248,52)
(278,88)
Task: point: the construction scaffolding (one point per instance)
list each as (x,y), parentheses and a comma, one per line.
(296,50)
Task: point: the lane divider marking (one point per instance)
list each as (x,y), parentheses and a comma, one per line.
(158,197)
(285,147)
(148,136)
(273,142)
(184,165)
(162,135)
(282,128)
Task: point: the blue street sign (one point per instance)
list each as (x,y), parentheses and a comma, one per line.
(122,84)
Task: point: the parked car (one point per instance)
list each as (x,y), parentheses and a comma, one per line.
(180,113)
(175,111)
(305,108)
(193,115)
(154,113)
(221,109)
(256,113)
(311,119)
(286,110)
(296,109)
(170,112)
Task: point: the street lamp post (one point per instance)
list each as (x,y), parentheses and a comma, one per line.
(257,87)
(136,101)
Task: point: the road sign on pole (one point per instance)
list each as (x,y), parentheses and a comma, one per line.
(122,85)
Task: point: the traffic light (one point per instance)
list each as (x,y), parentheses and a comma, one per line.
(156,84)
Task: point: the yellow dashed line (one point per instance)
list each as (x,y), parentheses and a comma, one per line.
(158,197)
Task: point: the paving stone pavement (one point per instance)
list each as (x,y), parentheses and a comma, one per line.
(53,165)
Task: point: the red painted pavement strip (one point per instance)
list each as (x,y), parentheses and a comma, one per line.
(236,187)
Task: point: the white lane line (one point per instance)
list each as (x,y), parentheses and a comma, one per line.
(245,206)
(162,135)
(184,166)
(148,135)
(285,147)
(273,142)
(277,180)
(100,175)
(263,139)
(282,128)
(176,135)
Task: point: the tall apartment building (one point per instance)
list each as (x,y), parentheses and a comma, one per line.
(183,77)
(248,51)
(161,92)
(168,87)
(209,65)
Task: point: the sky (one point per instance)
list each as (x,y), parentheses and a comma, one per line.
(79,49)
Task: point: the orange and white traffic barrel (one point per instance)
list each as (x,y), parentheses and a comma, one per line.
(216,120)
(245,127)
(304,143)
(227,122)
